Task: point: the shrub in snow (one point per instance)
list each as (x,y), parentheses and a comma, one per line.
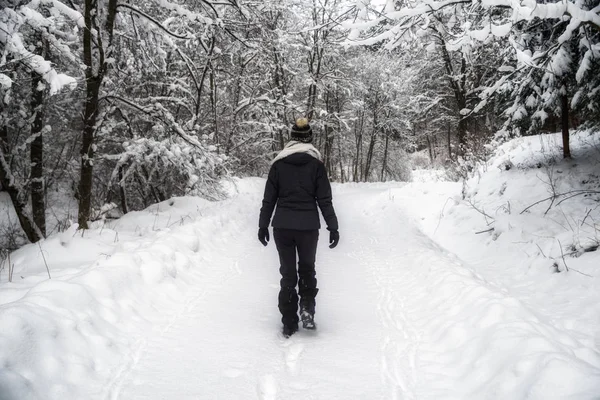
(420,160)
(167,168)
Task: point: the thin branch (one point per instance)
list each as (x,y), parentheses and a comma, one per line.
(541,251)
(442,214)
(44,257)
(586,215)
(565,262)
(189,68)
(482,212)
(233,35)
(578,194)
(562,255)
(153,20)
(178,130)
(575,192)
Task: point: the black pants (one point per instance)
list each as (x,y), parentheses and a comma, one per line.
(288,242)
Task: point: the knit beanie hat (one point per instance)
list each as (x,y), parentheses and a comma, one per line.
(301,131)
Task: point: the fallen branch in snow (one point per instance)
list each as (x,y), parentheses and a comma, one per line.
(577,194)
(586,215)
(582,273)
(565,261)
(563,255)
(553,198)
(487,230)
(482,212)
(44,258)
(541,251)
(441,215)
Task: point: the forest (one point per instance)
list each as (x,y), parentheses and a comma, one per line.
(114,105)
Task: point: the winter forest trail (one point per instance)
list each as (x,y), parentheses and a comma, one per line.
(398,318)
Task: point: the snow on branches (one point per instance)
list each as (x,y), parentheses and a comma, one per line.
(549,49)
(194,169)
(48,18)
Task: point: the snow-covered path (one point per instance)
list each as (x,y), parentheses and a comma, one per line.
(398,318)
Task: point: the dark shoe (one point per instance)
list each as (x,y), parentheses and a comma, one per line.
(308,320)
(288,306)
(289,330)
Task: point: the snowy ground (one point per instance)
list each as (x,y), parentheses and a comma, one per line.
(179,301)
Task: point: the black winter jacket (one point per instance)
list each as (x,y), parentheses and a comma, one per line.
(296,184)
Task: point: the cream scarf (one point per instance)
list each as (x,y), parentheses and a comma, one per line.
(294,147)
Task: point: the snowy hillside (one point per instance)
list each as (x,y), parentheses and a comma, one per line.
(426,297)
(528,218)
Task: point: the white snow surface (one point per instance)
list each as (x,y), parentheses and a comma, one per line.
(180,301)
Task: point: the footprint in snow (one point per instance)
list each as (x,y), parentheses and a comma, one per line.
(267,388)
(233,373)
(292,355)
(235,370)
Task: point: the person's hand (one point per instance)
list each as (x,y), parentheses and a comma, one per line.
(263,235)
(334,238)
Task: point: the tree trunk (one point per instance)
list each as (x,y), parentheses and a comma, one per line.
(342,172)
(371,148)
(327,150)
(461,101)
(213,103)
(449,136)
(565,122)
(369,157)
(459,90)
(38,203)
(94,73)
(122,192)
(15,191)
(281,139)
(385,155)
(430,147)
(358,132)
(87,151)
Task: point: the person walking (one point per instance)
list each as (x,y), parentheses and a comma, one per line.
(296,184)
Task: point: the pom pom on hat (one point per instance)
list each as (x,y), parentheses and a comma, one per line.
(301,122)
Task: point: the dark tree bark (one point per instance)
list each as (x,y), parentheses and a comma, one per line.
(341,164)
(371,148)
(458,86)
(385,156)
(279,80)
(328,146)
(122,192)
(38,201)
(449,137)
(430,148)
(358,133)
(213,104)
(564,99)
(95,52)
(87,151)
(315,58)
(17,194)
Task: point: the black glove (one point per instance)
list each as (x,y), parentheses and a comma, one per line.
(334,238)
(263,235)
